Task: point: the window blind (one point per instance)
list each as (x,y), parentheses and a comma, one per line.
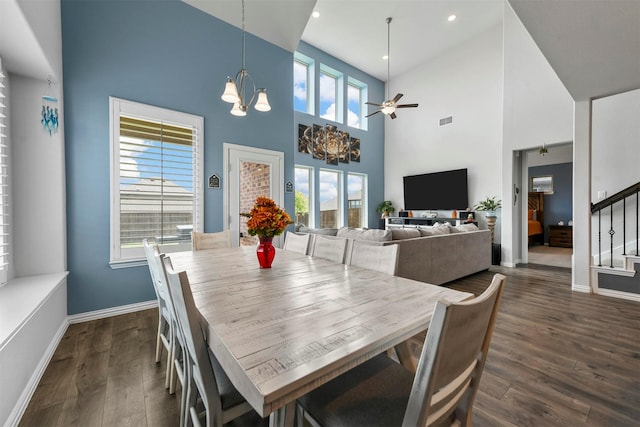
(156,182)
(4,187)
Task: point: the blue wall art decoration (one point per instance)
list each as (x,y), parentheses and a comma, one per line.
(49,113)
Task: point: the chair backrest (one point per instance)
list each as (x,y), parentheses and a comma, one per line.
(188,318)
(201,241)
(453,359)
(329,247)
(158,277)
(296,242)
(382,258)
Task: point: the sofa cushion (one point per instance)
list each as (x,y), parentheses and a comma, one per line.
(434,230)
(371,235)
(404,233)
(323,231)
(465,227)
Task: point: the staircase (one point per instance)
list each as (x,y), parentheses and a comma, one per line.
(616,264)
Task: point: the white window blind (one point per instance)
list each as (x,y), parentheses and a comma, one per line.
(4,188)
(157,178)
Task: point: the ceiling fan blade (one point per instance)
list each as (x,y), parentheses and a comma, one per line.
(397,97)
(373,103)
(375,112)
(393,115)
(406,106)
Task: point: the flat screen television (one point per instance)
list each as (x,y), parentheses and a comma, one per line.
(439,190)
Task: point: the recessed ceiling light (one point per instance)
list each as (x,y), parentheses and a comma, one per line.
(315,14)
(451,18)
(385,57)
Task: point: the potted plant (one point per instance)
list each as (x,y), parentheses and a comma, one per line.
(385,208)
(489,205)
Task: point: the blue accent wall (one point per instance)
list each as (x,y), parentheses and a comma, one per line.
(559,205)
(168,54)
(171,55)
(371,140)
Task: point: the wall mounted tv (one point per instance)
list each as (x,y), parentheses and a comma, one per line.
(439,190)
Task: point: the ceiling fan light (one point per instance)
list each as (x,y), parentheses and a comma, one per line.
(230,94)
(388,109)
(262,104)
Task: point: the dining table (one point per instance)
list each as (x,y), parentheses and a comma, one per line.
(283,331)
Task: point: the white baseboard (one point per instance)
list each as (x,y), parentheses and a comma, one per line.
(618,294)
(113,311)
(27,393)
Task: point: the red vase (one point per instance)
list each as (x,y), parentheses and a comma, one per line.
(266,252)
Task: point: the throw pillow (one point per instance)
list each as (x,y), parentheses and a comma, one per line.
(466,227)
(371,235)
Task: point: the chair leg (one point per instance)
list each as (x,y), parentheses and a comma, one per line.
(173,373)
(158,339)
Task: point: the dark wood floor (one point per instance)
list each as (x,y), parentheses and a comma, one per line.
(557,358)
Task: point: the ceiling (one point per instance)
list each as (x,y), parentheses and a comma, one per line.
(593,45)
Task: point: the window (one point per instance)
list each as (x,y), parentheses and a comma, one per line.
(330,94)
(330,199)
(357,198)
(4,187)
(156,185)
(303,83)
(304,196)
(356,98)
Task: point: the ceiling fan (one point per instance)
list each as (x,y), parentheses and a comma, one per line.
(389,106)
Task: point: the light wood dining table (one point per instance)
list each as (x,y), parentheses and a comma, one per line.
(281,332)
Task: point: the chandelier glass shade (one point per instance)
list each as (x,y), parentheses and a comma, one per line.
(235,90)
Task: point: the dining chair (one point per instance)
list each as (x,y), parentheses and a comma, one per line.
(329,247)
(165,335)
(296,242)
(374,257)
(208,386)
(380,392)
(176,368)
(217,240)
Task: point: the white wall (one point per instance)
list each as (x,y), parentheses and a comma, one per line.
(37,171)
(465,83)
(615,143)
(537,110)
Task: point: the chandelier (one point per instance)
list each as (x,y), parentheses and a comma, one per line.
(235,90)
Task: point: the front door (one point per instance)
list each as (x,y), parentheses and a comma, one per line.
(250,172)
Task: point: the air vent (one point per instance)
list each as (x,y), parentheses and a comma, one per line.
(446,121)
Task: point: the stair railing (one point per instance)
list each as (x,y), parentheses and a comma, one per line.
(630,194)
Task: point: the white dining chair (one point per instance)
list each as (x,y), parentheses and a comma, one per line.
(294,242)
(165,335)
(374,257)
(217,240)
(381,392)
(208,386)
(329,247)
(176,368)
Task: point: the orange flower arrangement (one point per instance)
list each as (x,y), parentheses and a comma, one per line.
(266,219)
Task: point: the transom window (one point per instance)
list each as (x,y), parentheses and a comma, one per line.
(330,94)
(303,83)
(356,98)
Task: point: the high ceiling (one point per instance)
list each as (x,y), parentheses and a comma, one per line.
(593,45)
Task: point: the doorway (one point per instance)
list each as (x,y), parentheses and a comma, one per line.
(250,172)
(548,204)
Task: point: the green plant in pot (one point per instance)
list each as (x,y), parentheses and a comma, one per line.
(489,205)
(386,208)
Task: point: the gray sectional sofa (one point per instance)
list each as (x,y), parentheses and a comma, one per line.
(434,255)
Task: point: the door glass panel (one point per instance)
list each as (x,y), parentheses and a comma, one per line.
(255,181)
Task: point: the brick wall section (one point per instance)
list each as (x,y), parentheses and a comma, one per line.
(254,182)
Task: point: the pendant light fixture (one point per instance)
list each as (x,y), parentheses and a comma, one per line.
(235,90)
